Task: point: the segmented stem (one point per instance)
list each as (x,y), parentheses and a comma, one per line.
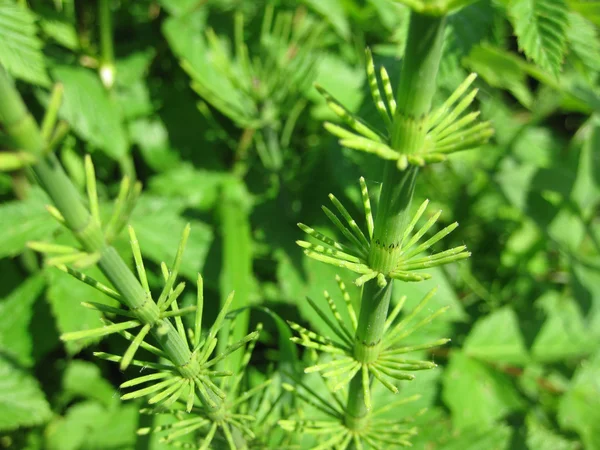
(409,129)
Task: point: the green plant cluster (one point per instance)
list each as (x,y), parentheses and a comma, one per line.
(172,275)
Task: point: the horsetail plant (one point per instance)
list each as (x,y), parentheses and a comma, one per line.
(372,346)
(188,373)
(260,92)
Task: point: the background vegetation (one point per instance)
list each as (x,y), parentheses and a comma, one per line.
(237,148)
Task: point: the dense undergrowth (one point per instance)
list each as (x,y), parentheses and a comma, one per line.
(238,117)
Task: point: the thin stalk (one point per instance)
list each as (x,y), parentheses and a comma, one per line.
(107,54)
(414,97)
(369,332)
(26,135)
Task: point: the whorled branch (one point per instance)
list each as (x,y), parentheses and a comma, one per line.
(356,254)
(447,129)
(386,363)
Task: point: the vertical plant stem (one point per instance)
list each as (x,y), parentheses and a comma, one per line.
(371,320)
(236,271)
(106,40)
(107,55)
(415,93)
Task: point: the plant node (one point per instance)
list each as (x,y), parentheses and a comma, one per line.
(423,140)
(384,360)
(376,259)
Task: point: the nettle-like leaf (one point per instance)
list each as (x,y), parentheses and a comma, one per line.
(16,311)
(20,48)
(89,110)
(541,29)
(22,402)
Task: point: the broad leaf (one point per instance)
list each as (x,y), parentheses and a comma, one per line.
(16,310)
(23,221)
(20,49)
(89,110)
(22,402)
(579,409)
(564,333)
(497,339)
(500,69)
(88,425)
(541,437)
(436,432)
(151,136)
(332,11)
(84,379)
(476,393)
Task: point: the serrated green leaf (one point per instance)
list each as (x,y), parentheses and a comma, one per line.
(541,29)
(20,48)
(88,425)
(435,432)
(23,221)
(84,379)
(16,311)
(497,339)
(186,38)
(22,402)
(88,109)
(540,437)
(579,409)
(134,67)
(476,393)
(564,333)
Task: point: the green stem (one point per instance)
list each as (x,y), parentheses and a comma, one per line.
(415,94)
(236,272)
(26,135)
(107,55)
(367,345)
(106,42)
